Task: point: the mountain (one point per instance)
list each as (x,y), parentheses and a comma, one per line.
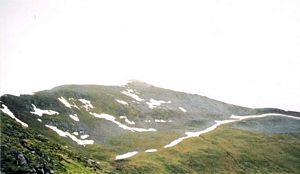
(95,129)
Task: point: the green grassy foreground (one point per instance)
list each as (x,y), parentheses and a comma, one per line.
(225,150)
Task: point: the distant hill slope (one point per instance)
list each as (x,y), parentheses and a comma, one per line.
(138,101)
(25,150)
(136,107)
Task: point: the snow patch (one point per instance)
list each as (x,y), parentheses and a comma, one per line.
(122,102)
(125,127)
(126,120)
(129,122)
(75,133)
(66,103)
(262,115)
(126,155)
(87,104)
(130,93)
(154,103)
(105,116)
(151,150)
(41,112)
(142,129)
(84,136)
(196,134)
(160,121)
(67,134)
(9,113)
(182,109)
(39,120)
(74,117)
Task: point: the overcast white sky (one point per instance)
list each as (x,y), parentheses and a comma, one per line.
(240,51)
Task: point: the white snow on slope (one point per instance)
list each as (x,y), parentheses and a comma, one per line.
(126,155)
(39,120)
(218,123)
(105,116)
(84,136)
(75,133)
(151,150)
(262,115)
(74,117)
(196,134)
(66,103)
(154,103)
(122,102)
(129,122)
(160,121)
(125,127)
(87,104)
(126,120)
(9,113)
(130,93)
(41,112)
(67,134)
(182,109)
(142,129)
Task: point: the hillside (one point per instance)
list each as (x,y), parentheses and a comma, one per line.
(91,128)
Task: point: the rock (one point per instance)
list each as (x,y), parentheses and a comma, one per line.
(93,163)
(39,169)
(32,170)
(20,135)
(42,138)
(24,142)
(47,158)
(21,160)
(90,162)
(49,171)
(8,125)
(97,165)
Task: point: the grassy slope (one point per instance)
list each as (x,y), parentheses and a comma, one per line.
(221,151)
(226,149)
(141,141)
